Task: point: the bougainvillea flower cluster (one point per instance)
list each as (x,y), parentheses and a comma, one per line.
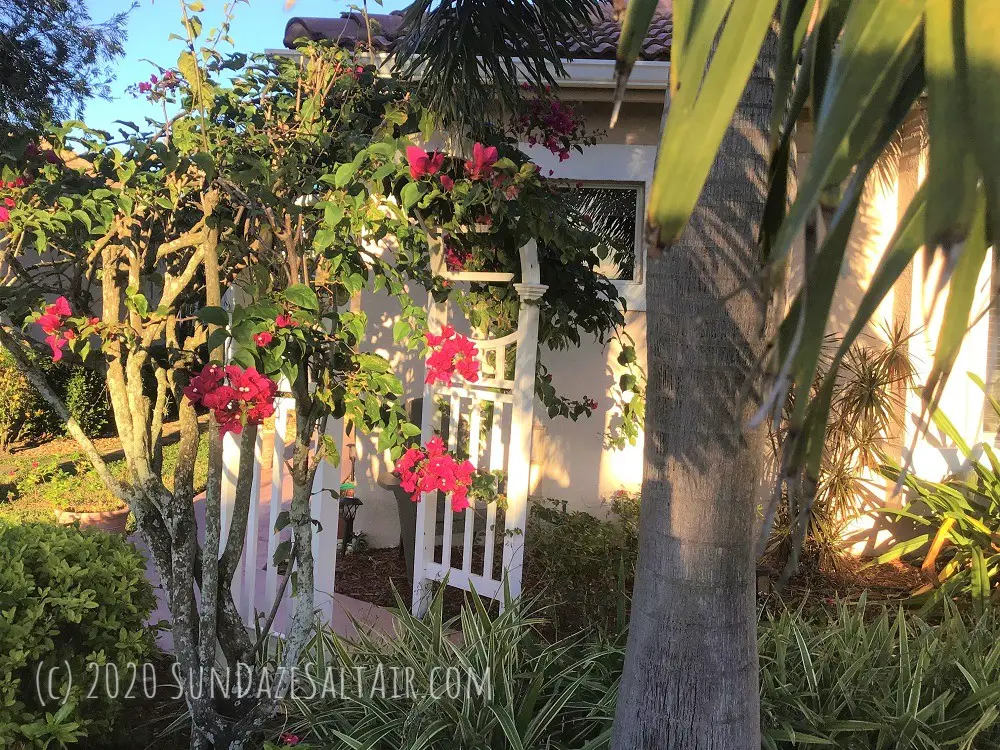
(236,397)
(159,86)
(455,257)
(9,200)
(54,325)
(451,353)
(432,468)
(547,121)
(480,166)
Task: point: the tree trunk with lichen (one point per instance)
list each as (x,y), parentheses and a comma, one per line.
(691,673)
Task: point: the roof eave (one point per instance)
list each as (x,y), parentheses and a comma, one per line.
(647,75)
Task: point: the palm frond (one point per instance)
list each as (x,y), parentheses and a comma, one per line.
(469,55)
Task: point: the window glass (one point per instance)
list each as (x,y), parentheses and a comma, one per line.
(612,211)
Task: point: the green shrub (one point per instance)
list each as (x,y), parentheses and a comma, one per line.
(523,691)
(581,567)
(854,677)
(956,523)
(86,399)
(67,599)
(25,415)
(849,680)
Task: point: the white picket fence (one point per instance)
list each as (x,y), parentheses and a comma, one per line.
(496,414)
(257,579)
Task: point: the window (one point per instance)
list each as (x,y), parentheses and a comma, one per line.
(613,211)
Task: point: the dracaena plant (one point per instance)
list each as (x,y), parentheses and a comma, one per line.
(289,183)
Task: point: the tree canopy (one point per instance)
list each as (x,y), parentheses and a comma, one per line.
(53,57)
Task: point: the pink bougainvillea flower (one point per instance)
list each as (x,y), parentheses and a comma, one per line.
(50,322)
(10,202)
(263,338)
(4,215)
(447,183)
(290,739)
(421,163)
(480,166)
(247,397)
(56,343)
(433,469)
(60,307)
(452,353)
(93,321)
(589,402)
(284,321)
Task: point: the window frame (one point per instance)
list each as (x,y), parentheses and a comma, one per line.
(610,165)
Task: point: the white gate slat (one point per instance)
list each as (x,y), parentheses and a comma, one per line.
(449,514)
(475,424)
(425,533)
(249,561)
(496,464)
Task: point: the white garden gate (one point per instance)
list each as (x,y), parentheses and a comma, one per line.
(498,413)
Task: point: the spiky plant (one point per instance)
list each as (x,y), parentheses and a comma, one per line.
(865,418)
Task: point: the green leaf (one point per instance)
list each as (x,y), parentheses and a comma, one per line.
(873,60)
(982,30)
(344,174)
(302,296)
(282,521)
(702,110)
(282,553)
(83,217)
(213,316)
(952,174)
(958,307)
(205,162)
(411,193)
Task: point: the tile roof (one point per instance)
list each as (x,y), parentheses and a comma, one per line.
(598,43)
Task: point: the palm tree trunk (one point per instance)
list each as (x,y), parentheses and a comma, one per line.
(691,672)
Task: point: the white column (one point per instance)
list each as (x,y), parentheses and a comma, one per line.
(522,418)
(423,545)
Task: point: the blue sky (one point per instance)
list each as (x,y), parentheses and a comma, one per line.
(257,26)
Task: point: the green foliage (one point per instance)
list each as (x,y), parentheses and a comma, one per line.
(956,522)
(55,57)
(25,415)
(868,401)
(849,679)
(853,677)
(517,690)
(583,566)
(66,599)
(86,398)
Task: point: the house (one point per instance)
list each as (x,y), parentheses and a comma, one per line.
(569,460)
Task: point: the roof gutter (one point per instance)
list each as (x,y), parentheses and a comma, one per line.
(647,75)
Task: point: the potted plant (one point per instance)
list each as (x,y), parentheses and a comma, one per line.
(108,514)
